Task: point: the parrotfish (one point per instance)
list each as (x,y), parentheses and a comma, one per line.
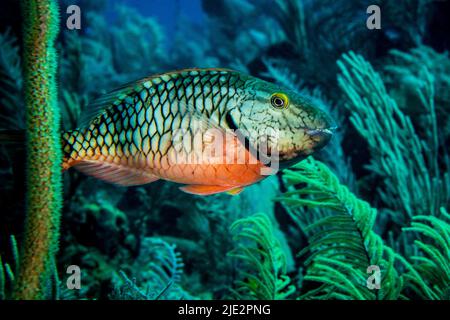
(203,128)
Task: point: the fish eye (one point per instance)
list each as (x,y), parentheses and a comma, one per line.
(279,100)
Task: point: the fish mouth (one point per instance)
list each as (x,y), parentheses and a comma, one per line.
(320,136)
(319,132)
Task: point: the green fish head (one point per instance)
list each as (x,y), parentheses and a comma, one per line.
(280,123)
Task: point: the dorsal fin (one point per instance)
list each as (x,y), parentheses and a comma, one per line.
(106,101)
(102,103)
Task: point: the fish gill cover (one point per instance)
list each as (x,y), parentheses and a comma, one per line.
(365,217)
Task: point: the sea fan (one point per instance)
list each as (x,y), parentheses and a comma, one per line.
(166,265)
(163,274)
(408,77)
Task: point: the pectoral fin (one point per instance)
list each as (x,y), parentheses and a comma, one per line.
(115,174)
(235,191)
(206,190)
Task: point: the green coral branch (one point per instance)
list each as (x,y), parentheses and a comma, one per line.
(407,164)
(163,275)
(429,273)
(342,245)
(8,273)
(44,149)
(263,275)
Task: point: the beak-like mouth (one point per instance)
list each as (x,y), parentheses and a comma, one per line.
(321,136)
(318,132)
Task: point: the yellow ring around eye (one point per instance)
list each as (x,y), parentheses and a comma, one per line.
(279,100)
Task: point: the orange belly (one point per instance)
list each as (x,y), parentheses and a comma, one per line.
(212,174)
(236,168)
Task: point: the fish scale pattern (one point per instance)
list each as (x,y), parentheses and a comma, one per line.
(136,125)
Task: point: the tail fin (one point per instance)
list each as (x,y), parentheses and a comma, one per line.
(12,137)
